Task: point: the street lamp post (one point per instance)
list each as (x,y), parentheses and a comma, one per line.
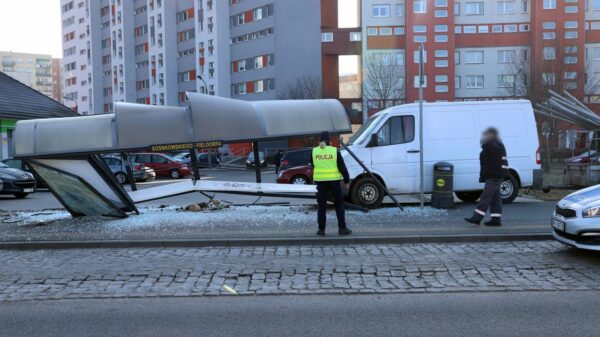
(205,90)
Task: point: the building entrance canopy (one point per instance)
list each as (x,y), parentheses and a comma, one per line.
(206,119)
(65,151)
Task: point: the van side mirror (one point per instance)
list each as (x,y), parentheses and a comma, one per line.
(374,140)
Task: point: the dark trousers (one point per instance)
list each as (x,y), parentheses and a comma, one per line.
(323,190)
(490,198)
(277,168)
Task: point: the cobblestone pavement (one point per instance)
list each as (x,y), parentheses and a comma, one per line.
(472,267)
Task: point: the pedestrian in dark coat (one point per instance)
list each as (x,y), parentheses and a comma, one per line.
(494,170)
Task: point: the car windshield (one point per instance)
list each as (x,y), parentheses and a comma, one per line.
(365,131)
(261,156)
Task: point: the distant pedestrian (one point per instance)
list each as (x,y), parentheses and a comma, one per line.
(328,172)
(278,157)
(494,169)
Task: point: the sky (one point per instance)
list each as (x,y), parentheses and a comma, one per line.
(31,26)
(34,26)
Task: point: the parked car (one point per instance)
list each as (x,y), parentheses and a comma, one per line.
(205,159)
(16,182)
(296,158)
(162,164)
(250,160)
(586,157)
(388,143)
(21,165)
(576,219)
(299,175)
(118,168)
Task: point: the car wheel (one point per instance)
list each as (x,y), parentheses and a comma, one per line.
(175,174)
(469,196)
(367,193)
(21,195)
(299,180)
(121,178)
(509,190)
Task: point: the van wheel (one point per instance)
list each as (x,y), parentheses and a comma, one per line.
(468,196)
(366,193)
(509,190)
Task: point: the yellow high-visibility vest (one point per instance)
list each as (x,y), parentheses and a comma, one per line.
(325,162)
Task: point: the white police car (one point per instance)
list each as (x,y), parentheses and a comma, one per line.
(576,220)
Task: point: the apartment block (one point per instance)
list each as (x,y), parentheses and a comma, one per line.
(473,49)
(153,51)
(33,70)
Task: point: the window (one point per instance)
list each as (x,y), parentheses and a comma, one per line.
(571,24)
(441,3)
(571,49)
(549,79)
(506,81)
(597,5)
(441,88)
(416,81)
(571,34)
(549,35)
(441,78)
(457,82)
(397,130)
(441,63)
(570,75)
(398,30)
(474,57)
(386,31)
(355,36)
(441,28)
(327,37)
(384,59)
(400,9)
(474,81)
(549,4)
(549,53)
(456,8)
(420,28)
(510,28)
(420,38)
(571,9)
(596,53)
(507,56)
(441,53)
(381,11)
(371,31)
(549,25)
(469,29)
(506,7)
(420,6)
(474,8)
(483,29)
(441,13)
(441,38)
(416,55)
(400,59)
(570,59)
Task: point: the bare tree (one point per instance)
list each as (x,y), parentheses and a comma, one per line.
(383,82)
(305,87)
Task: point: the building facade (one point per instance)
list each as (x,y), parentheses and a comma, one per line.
(153,51)
(33,70)
(473,49)
(57,82)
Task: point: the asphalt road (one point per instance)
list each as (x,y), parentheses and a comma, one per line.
(484,314)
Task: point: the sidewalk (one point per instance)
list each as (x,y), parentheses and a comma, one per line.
(280,224)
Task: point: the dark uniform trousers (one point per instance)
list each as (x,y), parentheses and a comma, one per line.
(490,198)
(323,190)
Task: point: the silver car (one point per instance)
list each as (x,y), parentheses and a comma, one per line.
(576,220)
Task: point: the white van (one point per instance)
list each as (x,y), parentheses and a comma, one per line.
(388,143)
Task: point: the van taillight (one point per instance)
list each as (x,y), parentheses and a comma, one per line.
(137,168)
(538,157)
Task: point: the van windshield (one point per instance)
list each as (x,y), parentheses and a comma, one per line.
(365,130)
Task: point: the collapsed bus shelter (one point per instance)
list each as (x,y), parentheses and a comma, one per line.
(66,152)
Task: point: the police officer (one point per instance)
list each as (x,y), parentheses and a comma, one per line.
(328,171)
(494,169)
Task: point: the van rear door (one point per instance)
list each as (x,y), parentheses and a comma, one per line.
(396,154)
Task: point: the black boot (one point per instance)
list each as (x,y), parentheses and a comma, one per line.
(494,222)
(321,232)
(344,231)
(473,220)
